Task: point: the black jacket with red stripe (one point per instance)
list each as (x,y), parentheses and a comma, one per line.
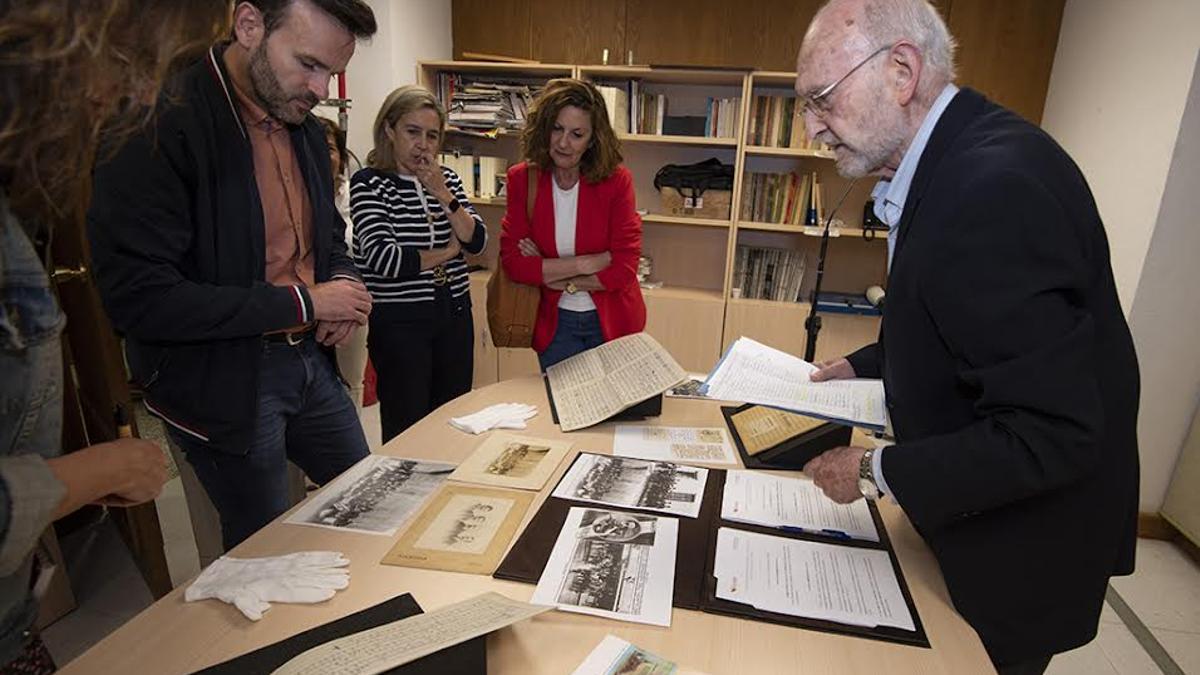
(178,251)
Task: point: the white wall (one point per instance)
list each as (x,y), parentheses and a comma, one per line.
(409,31)
(1117,90)
(1122,77)
(1166,314)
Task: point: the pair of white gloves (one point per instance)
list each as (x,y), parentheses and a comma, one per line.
(252,584)
(499,416)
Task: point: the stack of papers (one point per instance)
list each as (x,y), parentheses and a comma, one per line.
(844,584)
(755,373)
(793,503)
(674,444)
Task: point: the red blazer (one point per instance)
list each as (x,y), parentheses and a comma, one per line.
(606,221)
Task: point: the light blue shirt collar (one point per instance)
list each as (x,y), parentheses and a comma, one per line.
(890,195)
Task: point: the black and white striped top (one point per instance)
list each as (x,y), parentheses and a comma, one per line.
(391,226)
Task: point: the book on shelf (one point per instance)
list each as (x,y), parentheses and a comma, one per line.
(775,123)
(780,198)
(481,176)
(765,273)
(484,102)
(633,110)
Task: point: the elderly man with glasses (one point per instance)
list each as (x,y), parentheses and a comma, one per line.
(1011,377)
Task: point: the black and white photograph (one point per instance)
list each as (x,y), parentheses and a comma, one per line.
(374,496)
(635,483)
(613,564)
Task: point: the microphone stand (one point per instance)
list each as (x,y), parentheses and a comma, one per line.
(812,325)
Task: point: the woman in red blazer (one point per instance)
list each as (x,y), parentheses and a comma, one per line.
(583,245)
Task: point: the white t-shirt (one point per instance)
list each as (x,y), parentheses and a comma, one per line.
(566,204)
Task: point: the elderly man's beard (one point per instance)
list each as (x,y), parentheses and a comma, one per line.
(882,135)
(268,89)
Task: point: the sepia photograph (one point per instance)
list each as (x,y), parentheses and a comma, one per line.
(517,460)
(374,496)
(466,524)
(613,564)
(508,460)
(463,528)
(636,483)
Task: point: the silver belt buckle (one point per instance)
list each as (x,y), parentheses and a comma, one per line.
(294,339)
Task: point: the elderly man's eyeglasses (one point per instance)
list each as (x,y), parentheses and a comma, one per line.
(819,103)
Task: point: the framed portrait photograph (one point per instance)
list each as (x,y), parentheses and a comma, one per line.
(462,529)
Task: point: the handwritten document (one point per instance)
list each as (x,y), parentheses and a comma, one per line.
(855,586)
(589,388)
(755,373)
(784,502)
(674,444)
(380,649)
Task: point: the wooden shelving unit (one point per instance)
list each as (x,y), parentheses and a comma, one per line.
(692,314)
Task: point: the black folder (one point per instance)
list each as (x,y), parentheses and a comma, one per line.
(695,585)
(467,658)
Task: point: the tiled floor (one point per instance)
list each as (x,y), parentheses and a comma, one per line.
(1164,593)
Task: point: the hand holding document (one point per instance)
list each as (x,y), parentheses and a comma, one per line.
(612,564)
(674,444)
(383,648)
(856,586)
(589,388)
(755,373)
(787,503)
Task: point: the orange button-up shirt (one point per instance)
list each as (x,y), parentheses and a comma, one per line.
(287,211)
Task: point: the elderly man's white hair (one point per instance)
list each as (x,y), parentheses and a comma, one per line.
(886,22)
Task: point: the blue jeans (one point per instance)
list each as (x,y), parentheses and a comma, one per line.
(305,415)
(576,332)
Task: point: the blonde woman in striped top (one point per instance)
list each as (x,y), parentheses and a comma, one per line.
(412,225)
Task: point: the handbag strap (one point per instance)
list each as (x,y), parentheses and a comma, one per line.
(531,193)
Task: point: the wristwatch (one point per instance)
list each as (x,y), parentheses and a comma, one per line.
(866,477)
(454,205)
(571,288)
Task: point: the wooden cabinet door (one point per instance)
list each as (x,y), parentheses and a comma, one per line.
(577,31)
(766,34)
(496,27)
(665,32)
(1006,49)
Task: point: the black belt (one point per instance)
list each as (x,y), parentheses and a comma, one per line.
(293,338)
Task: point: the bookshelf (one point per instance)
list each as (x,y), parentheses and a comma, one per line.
(693,314)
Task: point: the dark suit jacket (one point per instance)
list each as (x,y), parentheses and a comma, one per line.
(1011,381)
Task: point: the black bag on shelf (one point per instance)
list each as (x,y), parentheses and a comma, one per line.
(696,178)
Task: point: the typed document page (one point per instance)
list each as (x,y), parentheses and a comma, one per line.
(755,373)
(785,502)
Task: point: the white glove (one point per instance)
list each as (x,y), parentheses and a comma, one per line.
(252,584)
(499,416)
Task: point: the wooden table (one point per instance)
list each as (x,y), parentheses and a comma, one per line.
(172,636)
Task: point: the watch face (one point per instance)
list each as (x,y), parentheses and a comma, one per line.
(867,488)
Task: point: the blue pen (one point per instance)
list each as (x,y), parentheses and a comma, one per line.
(838,534)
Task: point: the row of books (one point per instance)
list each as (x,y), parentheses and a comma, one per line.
(765,273)
(484,103)
(649,114)
(482,176)
(783,198)
(774,123)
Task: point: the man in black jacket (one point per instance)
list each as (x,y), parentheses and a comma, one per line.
(221,260)
(1011,378)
